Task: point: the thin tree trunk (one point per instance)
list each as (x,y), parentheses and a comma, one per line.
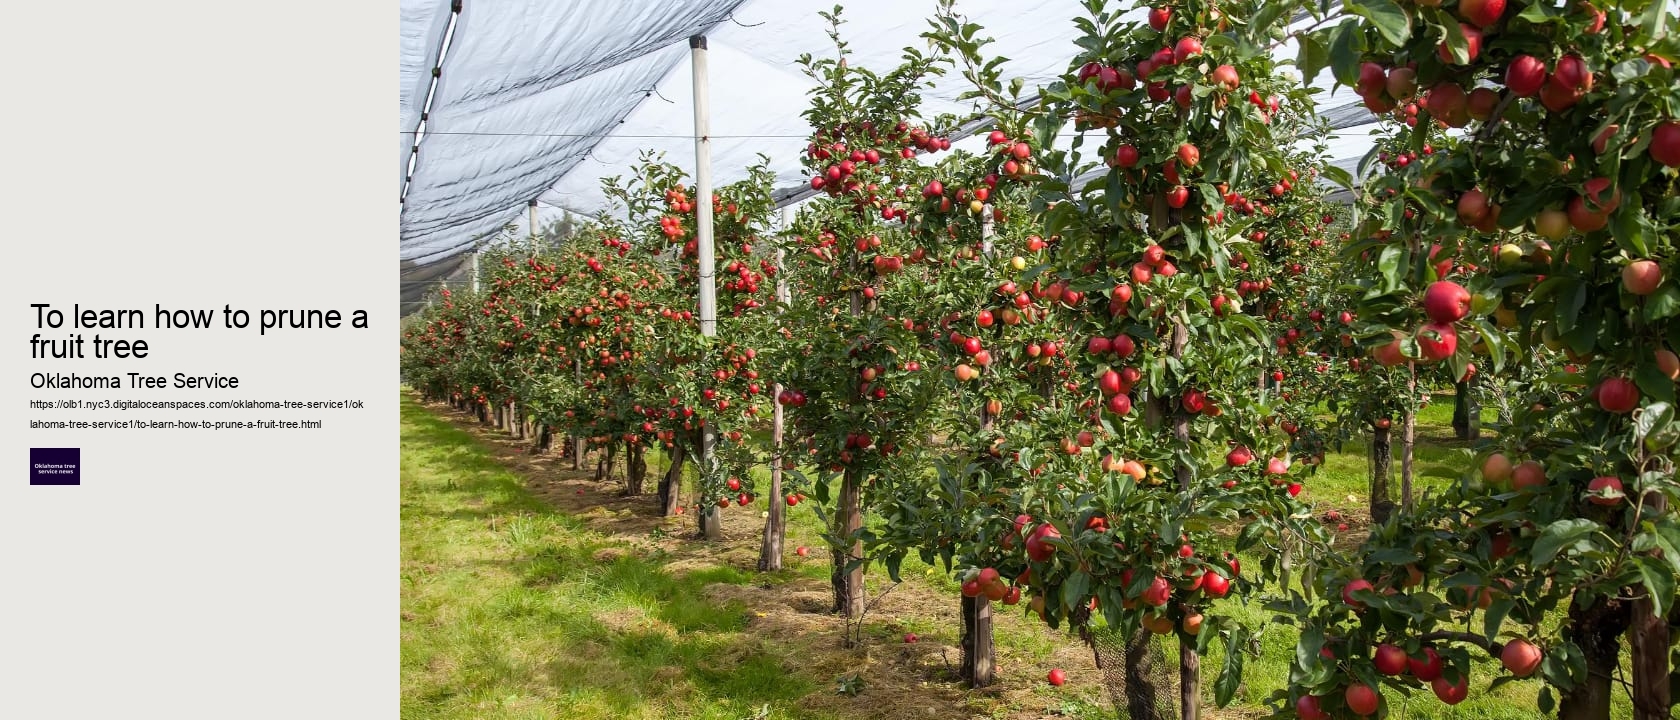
(979,657)
(1382,471)
(710,517)
(670,488)
(1189,663)
(775,526)
(1408,437)
(848,519)
(1597,631)
(1649,636)
(635,471)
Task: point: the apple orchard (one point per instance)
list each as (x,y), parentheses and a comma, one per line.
(1092,366)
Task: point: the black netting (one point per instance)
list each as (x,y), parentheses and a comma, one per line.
(1136,674)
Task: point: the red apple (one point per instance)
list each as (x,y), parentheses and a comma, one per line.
(1668,363)
(1481,13)
(1215,585)
(1496,469)
(1389,659)
(1362,699)
(1641,277)
(1373,79)
(1446,302)
(1449,693)
(1618,395)
(1605,490)
(1037,548)
(1057,677)
(1186,48)
(1426,668)
(1665,143)
(1239,456)
(1226,77)
(1158,592)
(1525,75)
(1528,475)
(1350,588)
(1309,708)
(1127,156)
(1437,341)
(1158,18)
(1188,155)
(1520,657)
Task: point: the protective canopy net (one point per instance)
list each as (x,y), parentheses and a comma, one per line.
(541,100)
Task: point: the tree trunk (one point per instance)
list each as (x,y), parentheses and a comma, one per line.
(1466,416)
(1189,663)
(1597,631)
(710,516)
(670,488)
(604,468)
(1408,437)
(848,519)
(635,471)
(1649,636)
(1382,471)
(540,438)
(515,421)
(979,662)
(775,526)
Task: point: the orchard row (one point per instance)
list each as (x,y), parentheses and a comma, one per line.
(1096,398)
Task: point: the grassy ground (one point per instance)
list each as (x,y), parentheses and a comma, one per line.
(530,591)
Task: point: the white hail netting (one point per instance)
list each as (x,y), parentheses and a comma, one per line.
(544,99)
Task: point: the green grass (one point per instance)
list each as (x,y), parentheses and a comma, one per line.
(512,610)
(508,610)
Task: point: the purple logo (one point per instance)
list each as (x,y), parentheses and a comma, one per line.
(55,466)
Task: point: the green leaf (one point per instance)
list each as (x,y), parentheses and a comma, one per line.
(1653,382)
(1306,650)
(893,562)
(1388,263)
(1655,418)
(1230,672)
(1659,583)
(1311,58)
(1345,52)
(1561,534)
(1389,20)
(1569,305)
(1495,616)
(1075,588)
(1339,176)
(1662,304)
(1456,42)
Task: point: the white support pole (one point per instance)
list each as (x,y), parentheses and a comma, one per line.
(532,208)
(703,187)
(475,270)
(711,524)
